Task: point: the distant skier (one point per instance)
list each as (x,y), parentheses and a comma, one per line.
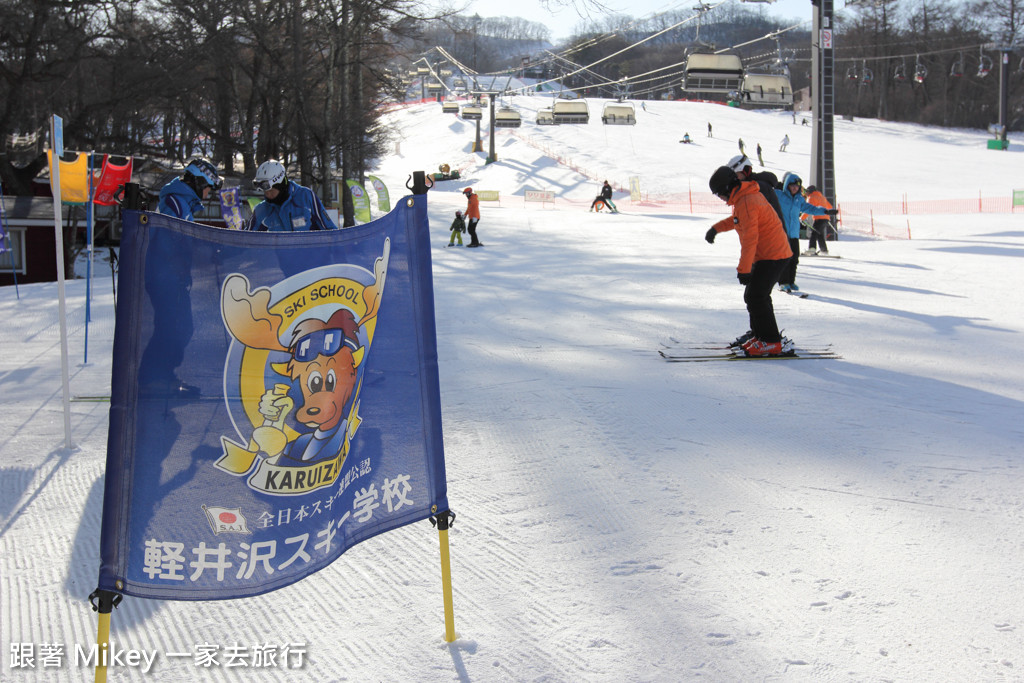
(760,159)
(741,146)
(604,198)
(686,139)
(709,130)
(764,252)
(785,143)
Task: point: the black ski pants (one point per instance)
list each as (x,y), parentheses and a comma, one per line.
(473,241)
(818,234)
(788,274)
(758,298)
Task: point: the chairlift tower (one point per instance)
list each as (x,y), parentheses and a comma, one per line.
(1004,88)
(823,100)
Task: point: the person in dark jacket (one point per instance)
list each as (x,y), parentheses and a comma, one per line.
(604,198)
(767,181)
(458,227)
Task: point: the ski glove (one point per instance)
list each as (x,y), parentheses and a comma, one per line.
(710,236)
(832,212)
(744,278)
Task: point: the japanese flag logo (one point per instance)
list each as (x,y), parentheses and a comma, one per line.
(226,520)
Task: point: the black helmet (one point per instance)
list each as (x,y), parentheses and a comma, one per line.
(723,181)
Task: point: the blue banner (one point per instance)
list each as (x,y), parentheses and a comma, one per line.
(274,402)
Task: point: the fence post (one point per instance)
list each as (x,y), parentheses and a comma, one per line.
(871,213)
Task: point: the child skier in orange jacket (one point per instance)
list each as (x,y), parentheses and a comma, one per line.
(764,252)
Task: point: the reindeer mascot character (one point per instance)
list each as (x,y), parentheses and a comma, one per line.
(324,357)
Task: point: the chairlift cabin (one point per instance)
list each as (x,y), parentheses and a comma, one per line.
(767,89)
(545,117)
(422,70)
(570,111)
(867,76)
(712,73)
(472,112)
(450,107)
(619,114)
(434,88)
(507,117)
(900,74)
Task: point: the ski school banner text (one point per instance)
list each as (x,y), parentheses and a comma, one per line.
(274,402)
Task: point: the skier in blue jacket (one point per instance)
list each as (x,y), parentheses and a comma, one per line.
(792,203)
(183,197)
(286,206)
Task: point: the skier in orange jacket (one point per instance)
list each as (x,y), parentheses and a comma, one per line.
(473,216)
(764,252)
(819,230)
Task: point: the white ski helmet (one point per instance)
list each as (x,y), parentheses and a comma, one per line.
(740,162)
(269,173)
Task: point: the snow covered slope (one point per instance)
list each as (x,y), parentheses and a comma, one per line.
(620,518)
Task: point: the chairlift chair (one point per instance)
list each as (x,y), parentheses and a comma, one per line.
(450,107)
(712,73)
(920,71)
(472,112)
(957,68)
(545,117)
(766,89)
(984,64)
(507,117)
(571,111)
(618,114)
(867,76)
(900,74)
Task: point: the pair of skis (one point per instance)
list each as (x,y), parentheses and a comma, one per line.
(676,351)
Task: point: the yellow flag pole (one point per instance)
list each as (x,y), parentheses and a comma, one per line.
(443,522)
(105,602)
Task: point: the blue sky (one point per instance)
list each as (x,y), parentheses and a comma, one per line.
(563,20)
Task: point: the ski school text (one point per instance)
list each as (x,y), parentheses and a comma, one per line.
(327,291)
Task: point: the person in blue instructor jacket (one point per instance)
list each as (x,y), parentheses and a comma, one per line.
(183,197)
(792,203)
(286,206)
